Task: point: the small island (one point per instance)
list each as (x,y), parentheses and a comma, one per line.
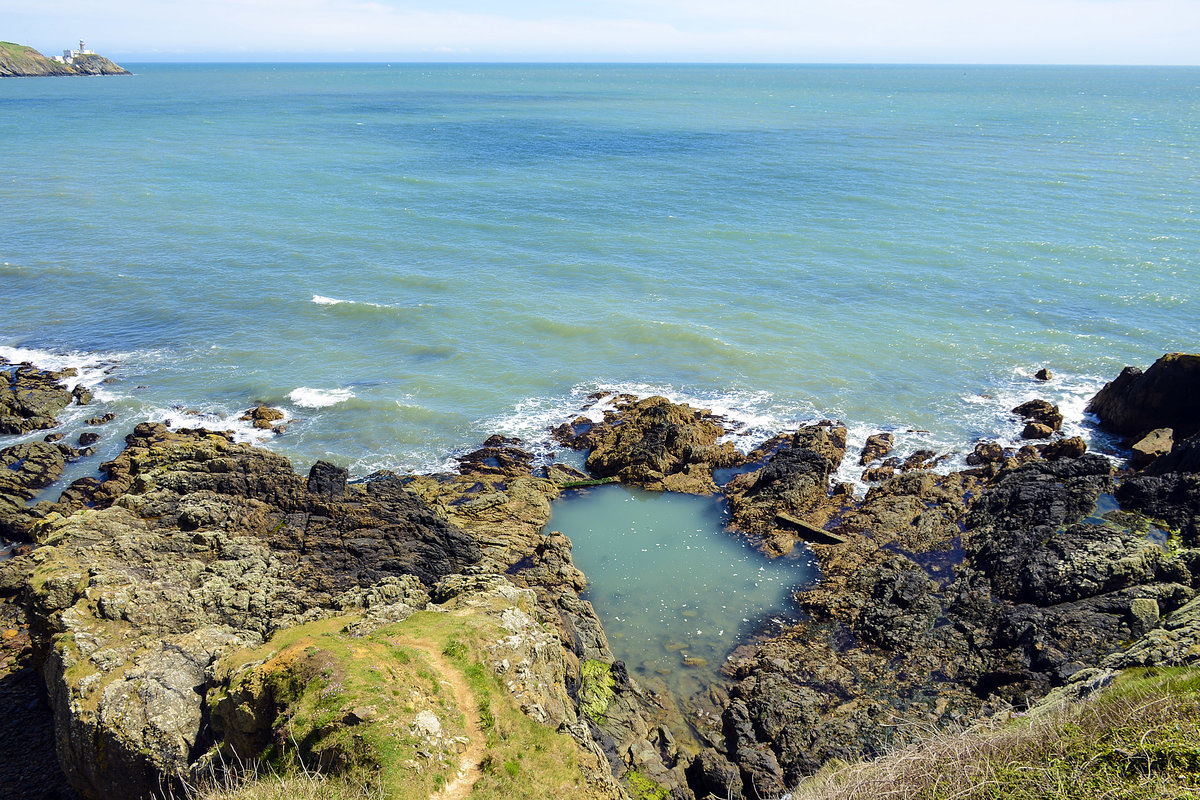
(22,61)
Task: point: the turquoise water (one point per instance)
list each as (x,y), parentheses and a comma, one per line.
(409,258)
(674,590)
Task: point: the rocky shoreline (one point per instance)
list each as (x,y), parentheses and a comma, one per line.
(943,597)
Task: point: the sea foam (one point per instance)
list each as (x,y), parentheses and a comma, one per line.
(318,398)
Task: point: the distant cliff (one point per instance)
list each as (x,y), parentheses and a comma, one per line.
(19,61)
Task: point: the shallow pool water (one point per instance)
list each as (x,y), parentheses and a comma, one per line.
(674,590)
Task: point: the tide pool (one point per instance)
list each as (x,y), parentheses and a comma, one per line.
(674,590)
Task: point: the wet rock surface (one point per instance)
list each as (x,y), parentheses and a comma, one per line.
(658,445)
(30,398)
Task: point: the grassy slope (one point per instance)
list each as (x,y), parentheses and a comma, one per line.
(1139,739)
(330,674)
(18,59)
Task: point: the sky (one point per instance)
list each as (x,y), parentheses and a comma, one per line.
(797,31)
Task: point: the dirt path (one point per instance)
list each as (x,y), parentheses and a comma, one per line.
(463,782)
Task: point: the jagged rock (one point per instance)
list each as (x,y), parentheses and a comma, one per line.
(877,446)
(1154,444)
(88,438)
(328,480)
(712,775)
(24,469)
(793,482)
(102,419)
(1041,412)
(659,445)
(921,459)
(986,453)
(1173,497)
(500,455)
(1043,374)
(1164,396)
(81,394)
(877,474)
(30,398)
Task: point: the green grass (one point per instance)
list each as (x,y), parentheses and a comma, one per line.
(1137,740)
(321,676)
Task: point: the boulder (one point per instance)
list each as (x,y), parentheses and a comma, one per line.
(877,446)
(1043,374)
(1154,444)
(986,453)
(1037,430)
(1164,396)
(1073,447)
(660,445)
(1042,412)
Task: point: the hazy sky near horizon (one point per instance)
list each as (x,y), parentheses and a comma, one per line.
(915,31)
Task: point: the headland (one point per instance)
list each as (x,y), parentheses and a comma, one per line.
(22,61)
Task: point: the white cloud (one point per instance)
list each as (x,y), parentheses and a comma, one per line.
(1049,31)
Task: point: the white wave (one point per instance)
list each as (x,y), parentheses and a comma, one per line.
(318,398)
(215,420)
(321,300)
(91,368)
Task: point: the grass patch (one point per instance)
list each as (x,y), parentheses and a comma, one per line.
(1137,740)
(349,706)
(597,687)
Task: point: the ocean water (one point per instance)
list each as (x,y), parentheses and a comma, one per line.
(408,258)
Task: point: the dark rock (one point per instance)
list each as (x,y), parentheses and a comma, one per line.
(1164,396)
(102,419)
(794,482)
(712,775)
(1042,412)
(1154,444)
(878,445)
(82,395)
(88,438)
(499,455)
(1043,374)
(53,437)
(1173,497)
(328,480)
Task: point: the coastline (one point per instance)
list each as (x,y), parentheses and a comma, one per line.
(934,569)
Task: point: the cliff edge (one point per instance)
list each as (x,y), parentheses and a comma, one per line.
(20,61)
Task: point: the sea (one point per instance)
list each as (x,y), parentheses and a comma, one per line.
(408,258)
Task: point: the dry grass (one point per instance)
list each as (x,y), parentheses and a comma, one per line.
(1138,740)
